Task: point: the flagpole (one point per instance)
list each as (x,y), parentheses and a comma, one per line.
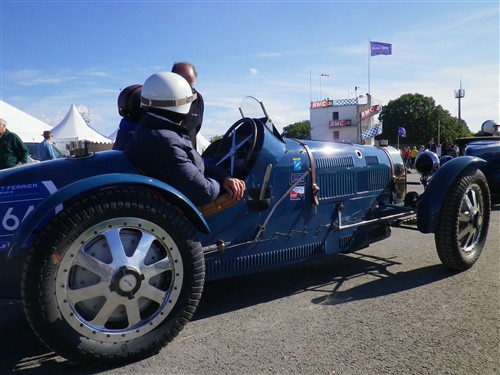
(310,87)
(369,50)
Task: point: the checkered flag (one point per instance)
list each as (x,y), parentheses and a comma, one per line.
(372,132)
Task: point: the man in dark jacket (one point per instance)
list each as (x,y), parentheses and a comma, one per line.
(161,146)
(13,152)
(194,117)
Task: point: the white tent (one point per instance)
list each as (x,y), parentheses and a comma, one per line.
(27,127)
(74,128)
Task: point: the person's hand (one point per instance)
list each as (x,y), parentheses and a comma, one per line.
(235,188)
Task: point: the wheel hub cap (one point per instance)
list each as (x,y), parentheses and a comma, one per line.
(126,282)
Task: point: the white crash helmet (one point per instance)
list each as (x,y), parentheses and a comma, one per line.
(168,91)
(490,127)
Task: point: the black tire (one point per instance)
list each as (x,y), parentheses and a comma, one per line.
(113,277)
(464,220)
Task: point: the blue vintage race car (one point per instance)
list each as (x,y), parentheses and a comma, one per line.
(110,264)
(487,148)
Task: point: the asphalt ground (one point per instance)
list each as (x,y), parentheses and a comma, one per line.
(389,309)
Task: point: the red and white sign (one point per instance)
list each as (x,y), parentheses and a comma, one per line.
(322,104)
(338,123)
(370,111)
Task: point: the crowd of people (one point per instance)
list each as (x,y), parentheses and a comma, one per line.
(409,153)
(13,151)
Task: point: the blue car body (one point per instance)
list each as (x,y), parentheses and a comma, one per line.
(488,149)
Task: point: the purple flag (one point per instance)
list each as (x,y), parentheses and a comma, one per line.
(378,48)
(402,132)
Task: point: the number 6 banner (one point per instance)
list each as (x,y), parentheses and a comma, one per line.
(16,203)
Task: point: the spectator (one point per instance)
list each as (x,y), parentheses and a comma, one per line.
(407,156)
(414,153)
(444,148)
(195,116)
(46,148)
(13,152)
(431,146)
(438,149)
(453,151)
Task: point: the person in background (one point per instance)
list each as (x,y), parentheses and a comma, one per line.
(431,146)
(413,153)
(194,118)
(13,152)
(161,146)
(444,147)
(46,148)
(129,108)
(453,151)
(407,157)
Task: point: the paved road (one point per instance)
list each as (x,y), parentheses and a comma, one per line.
(389,309)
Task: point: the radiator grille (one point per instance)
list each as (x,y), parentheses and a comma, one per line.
(338,162)
(334,185)
(373,180)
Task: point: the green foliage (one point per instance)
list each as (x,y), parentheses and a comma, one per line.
(215,138)
(420,116)
(299,130)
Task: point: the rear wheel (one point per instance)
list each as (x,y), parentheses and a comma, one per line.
(113,277)
(463,220)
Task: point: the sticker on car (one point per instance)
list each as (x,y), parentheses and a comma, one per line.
(16,203)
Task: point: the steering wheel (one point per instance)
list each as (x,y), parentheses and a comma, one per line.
(237,146)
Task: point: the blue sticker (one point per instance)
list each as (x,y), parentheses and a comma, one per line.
(16,203)
(297,164)
(294,177)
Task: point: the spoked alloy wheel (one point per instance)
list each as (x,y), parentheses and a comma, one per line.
(463,222)
(113,278)
(119,280)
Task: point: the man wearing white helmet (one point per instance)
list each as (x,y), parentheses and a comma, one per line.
(490,127)
(161,146)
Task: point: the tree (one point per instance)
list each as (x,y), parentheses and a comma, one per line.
(299,130)
(421,118)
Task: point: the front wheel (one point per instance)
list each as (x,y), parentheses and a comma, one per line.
(463,220)
(113,277)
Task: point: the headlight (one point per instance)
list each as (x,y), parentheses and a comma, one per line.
(426,163)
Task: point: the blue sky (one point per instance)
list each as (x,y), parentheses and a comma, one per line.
(55,53)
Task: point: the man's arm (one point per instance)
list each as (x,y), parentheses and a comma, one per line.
(22,151)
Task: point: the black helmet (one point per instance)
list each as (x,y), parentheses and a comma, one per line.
(129,103)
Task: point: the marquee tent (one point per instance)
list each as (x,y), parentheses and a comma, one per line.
(28,128)
(74,128)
